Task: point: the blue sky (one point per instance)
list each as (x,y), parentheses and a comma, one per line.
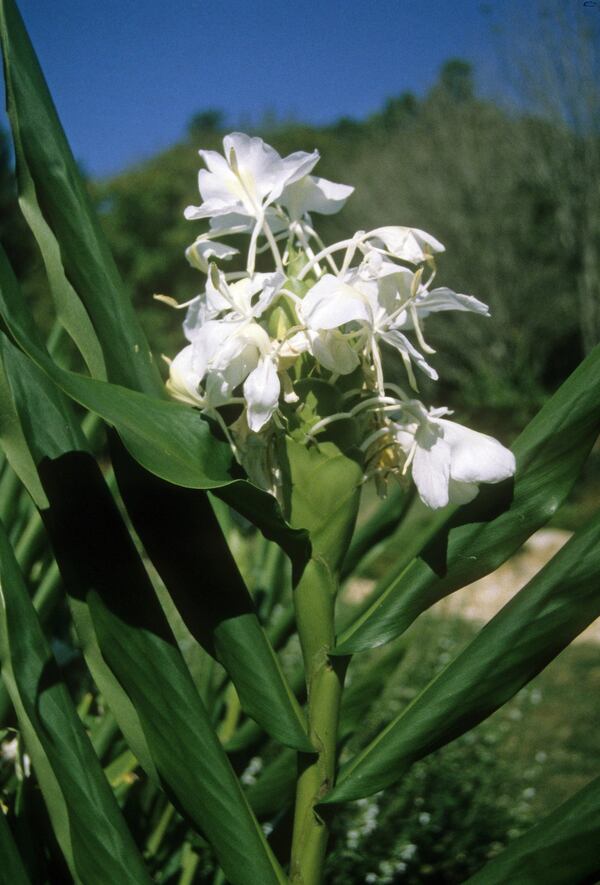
(127,77)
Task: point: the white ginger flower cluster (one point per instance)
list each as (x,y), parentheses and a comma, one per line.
(321,312)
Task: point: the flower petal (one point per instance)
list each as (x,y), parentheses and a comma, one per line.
(476,457)
(333,352)
(184,377)
(313,194)
(431,467)
(462,492)
(401,343)
(332,303)
(208,341)
(261,391)
(406,243)
(297,165)
(203,249)
(445,299)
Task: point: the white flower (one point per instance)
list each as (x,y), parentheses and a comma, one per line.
(406,243)
(250,177)
(448,459)
(313,194)
(245,299)
(333,351)
(334,302)
(399,285)
(204,248)
(10,752)
(261,392)
(225,354)
(184,379)
(186,373)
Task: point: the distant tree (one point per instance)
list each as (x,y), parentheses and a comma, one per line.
(456,81)
(347,126)
(556,76)
(211,120)
(397,111)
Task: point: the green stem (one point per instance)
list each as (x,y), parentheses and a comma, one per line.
(10,489)
(153,842)
(188,865)
(233,711)
(30,541)
(314,601)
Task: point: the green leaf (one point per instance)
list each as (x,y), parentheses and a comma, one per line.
(195,770)
(190,553)
(68,232)
(482,535)
(140,652)
(326,486)
(86,820)
(169,439)
(127,630)
(52,433)
(535,626)
(44,155)
(51,430)
(563,848)
(12,871)
(13,441)
(378,527)
(274,789)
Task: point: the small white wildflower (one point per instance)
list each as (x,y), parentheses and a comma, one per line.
(408,851)
(353,839)
(250,774)
(536,696)
(10,752)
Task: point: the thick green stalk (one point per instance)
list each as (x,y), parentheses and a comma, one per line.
(314,601)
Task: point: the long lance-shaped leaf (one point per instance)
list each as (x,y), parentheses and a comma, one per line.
(12,870)
(90,265)
(482,535)
(87,822)
(142,653)
(53,184)
(563,848)
(102,571)
(208,590)
(51,430)
(377,528)
(541,620)
(240,641)
(232,630)
(49,170)
(169,439)
(43,151)
(12,442)
(70,310)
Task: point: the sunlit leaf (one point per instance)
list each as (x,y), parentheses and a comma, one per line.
(563,847)
(535,626)
(481,536)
